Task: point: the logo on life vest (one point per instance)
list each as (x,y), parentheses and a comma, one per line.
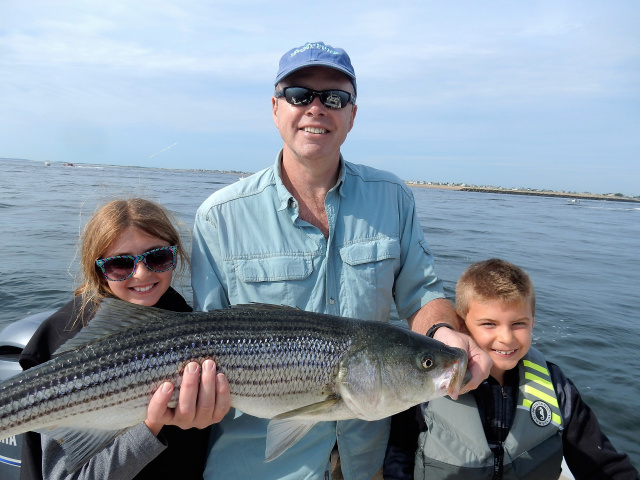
(541,413)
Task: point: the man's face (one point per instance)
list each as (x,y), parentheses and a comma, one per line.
(313,132)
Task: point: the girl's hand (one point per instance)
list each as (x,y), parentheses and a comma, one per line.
(203,400)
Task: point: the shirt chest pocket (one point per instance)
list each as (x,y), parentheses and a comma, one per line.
(368,275)
(273,269)
(279,279)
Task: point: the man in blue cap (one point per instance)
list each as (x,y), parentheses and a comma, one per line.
(319,233)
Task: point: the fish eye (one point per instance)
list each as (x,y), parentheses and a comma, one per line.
(427,362)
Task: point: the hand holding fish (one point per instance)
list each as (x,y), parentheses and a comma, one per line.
(478,361)
(440,310)
(204,400)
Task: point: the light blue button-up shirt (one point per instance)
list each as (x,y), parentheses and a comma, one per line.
(250,245)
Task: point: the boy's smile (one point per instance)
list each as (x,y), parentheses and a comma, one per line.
(501,329)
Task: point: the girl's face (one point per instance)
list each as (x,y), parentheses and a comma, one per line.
(144,287)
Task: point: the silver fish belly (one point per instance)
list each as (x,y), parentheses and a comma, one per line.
(288,365)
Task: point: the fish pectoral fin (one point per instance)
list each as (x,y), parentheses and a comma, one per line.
(80,445)
(313,409)
(282,434)
(285,430)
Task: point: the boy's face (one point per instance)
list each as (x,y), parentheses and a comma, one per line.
(503,330)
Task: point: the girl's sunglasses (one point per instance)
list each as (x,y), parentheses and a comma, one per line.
(121,267)
(304,96)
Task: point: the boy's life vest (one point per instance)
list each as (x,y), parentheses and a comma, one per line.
(455,446)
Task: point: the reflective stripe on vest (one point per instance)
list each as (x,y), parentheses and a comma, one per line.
(538,387)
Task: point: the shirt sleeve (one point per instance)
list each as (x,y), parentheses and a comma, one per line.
(122,459)
(587,450)
(417,283)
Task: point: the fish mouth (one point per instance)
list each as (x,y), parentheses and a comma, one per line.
(459,374)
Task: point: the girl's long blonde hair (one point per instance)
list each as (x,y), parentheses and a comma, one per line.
(104,227)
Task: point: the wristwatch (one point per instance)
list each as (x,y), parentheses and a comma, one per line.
(432,331)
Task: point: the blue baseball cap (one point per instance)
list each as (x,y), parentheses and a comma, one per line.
(316,54)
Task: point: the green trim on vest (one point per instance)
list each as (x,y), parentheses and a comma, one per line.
(539,375)
(455,445)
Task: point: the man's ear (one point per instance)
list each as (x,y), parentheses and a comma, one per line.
(274,110)
(353,116)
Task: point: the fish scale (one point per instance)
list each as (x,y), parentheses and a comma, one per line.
(281,363)
(279,366)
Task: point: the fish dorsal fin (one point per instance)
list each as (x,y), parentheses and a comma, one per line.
(113,316)
(265,306)
(282,434)
(81,445)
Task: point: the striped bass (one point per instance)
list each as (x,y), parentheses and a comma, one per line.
(284,364)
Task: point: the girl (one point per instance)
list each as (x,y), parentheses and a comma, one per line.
(130,250)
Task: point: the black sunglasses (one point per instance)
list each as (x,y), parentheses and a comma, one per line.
(304,96)
(121,267)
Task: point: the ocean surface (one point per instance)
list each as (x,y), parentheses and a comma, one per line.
(584,259)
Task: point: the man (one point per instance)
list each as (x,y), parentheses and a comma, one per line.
(319,233)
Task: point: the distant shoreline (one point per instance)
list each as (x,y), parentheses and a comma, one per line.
(536,193)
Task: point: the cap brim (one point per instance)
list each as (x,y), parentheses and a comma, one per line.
(286,73)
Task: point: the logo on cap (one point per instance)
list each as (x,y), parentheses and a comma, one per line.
(320,46)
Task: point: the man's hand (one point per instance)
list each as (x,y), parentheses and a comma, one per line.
(478,361)
(440,310)
(203,400)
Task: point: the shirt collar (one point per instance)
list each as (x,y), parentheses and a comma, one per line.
(341,177)
(285,196)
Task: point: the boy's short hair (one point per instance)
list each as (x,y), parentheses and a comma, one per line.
(493,279)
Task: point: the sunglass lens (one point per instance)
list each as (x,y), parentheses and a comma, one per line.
(298,95)
(118,268)
(304,96)
(334,99)
(160,260)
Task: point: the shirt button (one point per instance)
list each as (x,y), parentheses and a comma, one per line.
(332,301)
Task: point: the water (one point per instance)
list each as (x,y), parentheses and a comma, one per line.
(583,259)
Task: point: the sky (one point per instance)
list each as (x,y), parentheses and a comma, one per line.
(513,93)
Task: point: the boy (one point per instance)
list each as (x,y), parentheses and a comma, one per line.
(519,422)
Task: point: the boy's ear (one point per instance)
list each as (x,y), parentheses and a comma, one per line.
(463,323)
